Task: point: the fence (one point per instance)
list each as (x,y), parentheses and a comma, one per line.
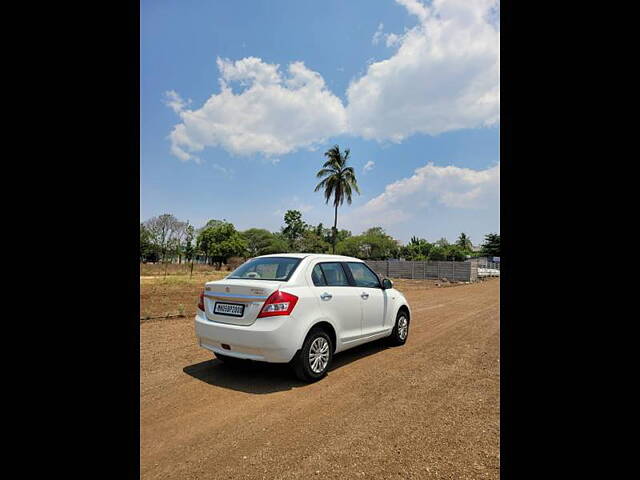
(454,271)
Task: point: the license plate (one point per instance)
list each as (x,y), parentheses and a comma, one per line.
(231,309)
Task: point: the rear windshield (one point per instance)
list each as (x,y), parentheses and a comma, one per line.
(269,268)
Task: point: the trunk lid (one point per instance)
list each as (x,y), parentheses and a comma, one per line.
(240,301)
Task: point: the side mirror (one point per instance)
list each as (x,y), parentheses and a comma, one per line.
(386,284)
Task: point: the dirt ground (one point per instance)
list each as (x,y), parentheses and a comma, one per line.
(172,295)
(428,409)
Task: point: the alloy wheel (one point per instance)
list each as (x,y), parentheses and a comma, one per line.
(319,355)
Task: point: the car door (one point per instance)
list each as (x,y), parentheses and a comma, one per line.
(372,297)
(337,299)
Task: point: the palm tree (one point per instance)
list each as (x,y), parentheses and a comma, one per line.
(464,241)
(338,181)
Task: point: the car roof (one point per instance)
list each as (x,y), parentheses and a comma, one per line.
(323,256)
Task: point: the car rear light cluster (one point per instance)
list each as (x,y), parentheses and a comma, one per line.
(201,301)
(278,303)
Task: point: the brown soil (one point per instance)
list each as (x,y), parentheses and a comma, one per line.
(428,409)
(172,295)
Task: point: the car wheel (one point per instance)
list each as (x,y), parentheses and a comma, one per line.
(401,329)
(313,360)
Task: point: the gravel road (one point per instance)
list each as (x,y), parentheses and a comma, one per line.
(429,409)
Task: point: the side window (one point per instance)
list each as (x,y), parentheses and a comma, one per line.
(363,276)
(317,276)
(334,274)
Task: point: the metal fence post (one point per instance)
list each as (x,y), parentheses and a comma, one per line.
(453,268)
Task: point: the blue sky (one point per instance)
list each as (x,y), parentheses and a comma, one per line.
(239,100)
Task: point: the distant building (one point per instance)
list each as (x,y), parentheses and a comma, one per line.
(488,262)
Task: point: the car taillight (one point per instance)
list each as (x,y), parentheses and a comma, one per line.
(278,303)
(201,301)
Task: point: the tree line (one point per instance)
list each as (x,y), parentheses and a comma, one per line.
(167,239)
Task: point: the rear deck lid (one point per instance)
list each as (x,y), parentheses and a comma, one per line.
(237,302)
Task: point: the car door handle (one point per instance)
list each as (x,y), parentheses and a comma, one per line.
(364,295)
(326,296)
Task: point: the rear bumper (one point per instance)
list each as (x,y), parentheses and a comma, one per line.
(270,339)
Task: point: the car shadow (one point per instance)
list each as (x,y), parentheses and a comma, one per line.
(262,378)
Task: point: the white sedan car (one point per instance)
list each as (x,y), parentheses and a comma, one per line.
(299,308)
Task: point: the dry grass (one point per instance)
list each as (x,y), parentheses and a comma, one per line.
(157,269)
(173,295)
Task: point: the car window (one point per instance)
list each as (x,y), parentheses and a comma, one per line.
(266,268)
(317,276)
(334,274)
(363,276)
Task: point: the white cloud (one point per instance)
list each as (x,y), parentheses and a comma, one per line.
(368,166)
(224,171)
(450,186)
(378,34)
(415,8)
(274,114)
(393,39)
(444,75)
(173,100)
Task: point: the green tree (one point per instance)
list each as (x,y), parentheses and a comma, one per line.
(294,228)
(258,241)
(416,249)
(166,233)
(338,182)
(311,242)
(327,234)
(374,244)
(179,240)
(464,242)
(438,253)
(189,250)
(351,246)
(455,252)
(163,231)
(342,234)
(491,245)
(148,251)
(219,240)
(443,242)
(278,244)
(380,245)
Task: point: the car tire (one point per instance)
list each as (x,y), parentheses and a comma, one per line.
(228,360)
(400,331)
(316,346)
